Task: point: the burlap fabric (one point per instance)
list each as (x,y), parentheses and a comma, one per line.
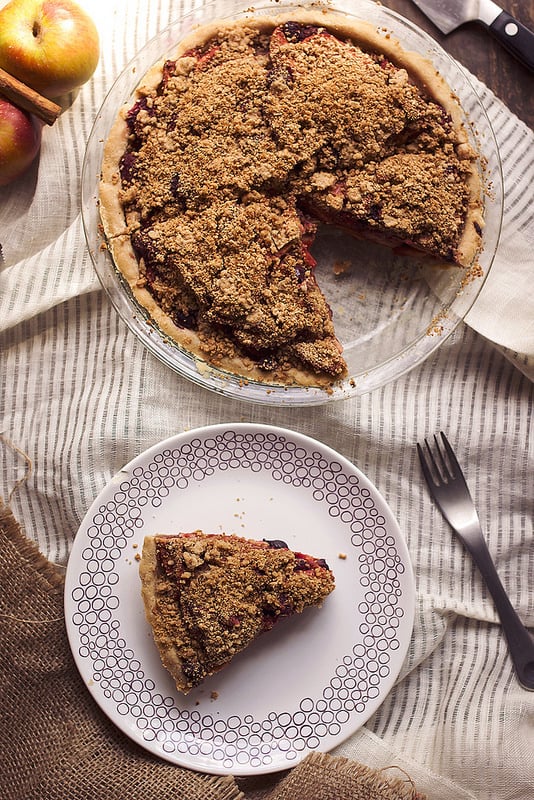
(56,743)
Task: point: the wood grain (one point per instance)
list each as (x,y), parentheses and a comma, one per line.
(476,49)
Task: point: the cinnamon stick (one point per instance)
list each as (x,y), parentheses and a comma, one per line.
(28,99)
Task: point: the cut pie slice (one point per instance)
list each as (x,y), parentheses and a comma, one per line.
(208,596)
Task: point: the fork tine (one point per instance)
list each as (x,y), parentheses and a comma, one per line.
(435,466)
(456,471)
(427,472)
(445,470)
(441,468)
(440,471)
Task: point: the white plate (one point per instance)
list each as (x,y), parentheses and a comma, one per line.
(308,684)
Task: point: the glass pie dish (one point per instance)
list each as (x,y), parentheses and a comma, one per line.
(390,311)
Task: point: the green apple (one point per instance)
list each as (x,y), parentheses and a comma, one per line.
(20,139)
(50,45)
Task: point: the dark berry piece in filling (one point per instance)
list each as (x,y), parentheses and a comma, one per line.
(185,319)
(276,544)
(134,127)
(301,273)
(127,167)
(286,607)
(297,32)
(375,212)
(144,248)
(304,562)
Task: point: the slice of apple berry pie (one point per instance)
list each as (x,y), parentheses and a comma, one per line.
(208,596)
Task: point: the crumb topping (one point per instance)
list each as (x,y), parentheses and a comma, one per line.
(214,594)
(247,141)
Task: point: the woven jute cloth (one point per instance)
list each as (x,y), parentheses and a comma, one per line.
(56,743)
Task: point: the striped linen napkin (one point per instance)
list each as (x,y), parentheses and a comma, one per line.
(81,397)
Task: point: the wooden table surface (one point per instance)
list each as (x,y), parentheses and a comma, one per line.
(476,49)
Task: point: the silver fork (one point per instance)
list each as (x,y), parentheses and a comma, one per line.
(449,489)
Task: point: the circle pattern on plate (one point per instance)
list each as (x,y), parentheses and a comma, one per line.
(238,741)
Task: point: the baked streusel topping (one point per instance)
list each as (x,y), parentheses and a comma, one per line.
(215,179)
(208,596)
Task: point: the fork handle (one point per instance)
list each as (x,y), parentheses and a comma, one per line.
(520,640)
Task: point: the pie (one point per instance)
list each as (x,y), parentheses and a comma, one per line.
(215,179)
(208,596)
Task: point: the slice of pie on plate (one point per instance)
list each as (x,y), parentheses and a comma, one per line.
(208,596)
(216,176)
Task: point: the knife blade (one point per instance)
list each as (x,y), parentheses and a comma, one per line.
(447,15)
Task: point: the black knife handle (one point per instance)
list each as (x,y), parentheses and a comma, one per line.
(517,38)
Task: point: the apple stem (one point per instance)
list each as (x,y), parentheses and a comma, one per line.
(36,29)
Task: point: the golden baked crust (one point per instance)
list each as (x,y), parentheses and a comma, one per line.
(214,180)
(208,596)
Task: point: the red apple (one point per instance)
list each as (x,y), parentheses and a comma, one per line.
(20,139)
(51,45)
